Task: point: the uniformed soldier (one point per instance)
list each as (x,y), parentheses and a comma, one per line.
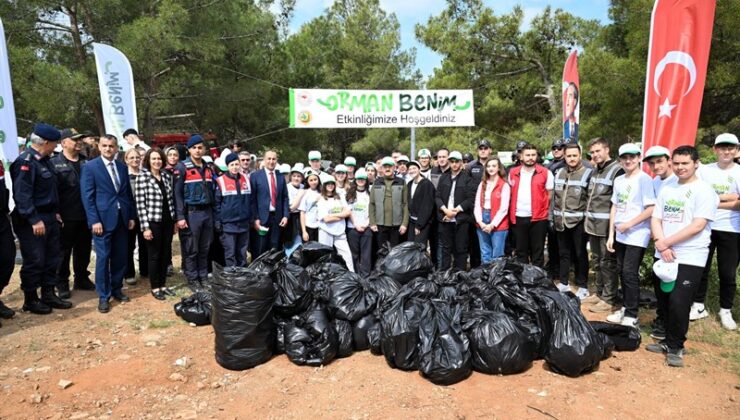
(194,200)
(36,221)
(76,237)
(7,245)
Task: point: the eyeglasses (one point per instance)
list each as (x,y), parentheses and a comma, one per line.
(483,147)
(245,160)
(558,147)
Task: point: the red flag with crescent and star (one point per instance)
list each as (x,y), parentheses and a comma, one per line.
(680,38)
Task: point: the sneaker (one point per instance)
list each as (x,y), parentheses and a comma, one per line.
(616,317)
(628,321)
(698,311)
(591,299)
(130,281)
(582,293)
(657,348)
(658,331)
(601,307)
(674,358)
(725,317)
(563,288)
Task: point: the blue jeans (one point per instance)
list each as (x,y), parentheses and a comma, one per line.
(491,244)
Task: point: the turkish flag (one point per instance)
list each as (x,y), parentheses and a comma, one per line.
(571,98)
(680,38)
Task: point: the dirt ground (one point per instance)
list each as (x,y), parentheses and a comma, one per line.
(124,364)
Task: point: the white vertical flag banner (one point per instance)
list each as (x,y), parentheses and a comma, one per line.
(8,129)
(117,98)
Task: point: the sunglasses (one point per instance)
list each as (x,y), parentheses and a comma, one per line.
(558,147)
(483,147)
(245,160)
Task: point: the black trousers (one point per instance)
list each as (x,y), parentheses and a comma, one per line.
(41,254)
(162,233)
(553,253)
(629,258)
(313,234)
(361,246)
(433,240)
(422,237)
(388,234)
(133,235)
(473,246)
(7,251)
(727,245)
(530,240)
(454,240)
(677,304)
(572,249)
(76,246)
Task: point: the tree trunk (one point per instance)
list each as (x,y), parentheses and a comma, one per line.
(549,88)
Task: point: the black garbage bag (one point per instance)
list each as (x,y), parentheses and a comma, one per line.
(268,262)
(385,287)
(344,337)
(292,290)
(406,261)
(195,308)
(242,317)
(574,347)
(480,294)
(533,276)
(399,331)
(444,353)
(421,287)
(325,271)
(350,298)
(360,331)
(280,324)
(310,338)
(314,252)
(624,338)
(497,343)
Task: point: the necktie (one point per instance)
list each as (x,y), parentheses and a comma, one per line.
(116,181)
(273,189)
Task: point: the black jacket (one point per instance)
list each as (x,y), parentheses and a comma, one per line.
(68,185)
(476,169)
(421,207)
(464,192)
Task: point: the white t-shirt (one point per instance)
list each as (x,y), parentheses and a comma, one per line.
(677,206)
(524,196)
(309,205)
(360,210)
(631,196)
(292,195)
(723,181)
(332,206)
(658,182)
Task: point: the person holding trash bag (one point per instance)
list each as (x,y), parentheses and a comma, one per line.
(680,226)
(491,210)
(309,207)
(421,204)
(233,212)
(155,205)
(269,203)
(359,235)
(333,212)
(633,199)
(454,199)
(389,212)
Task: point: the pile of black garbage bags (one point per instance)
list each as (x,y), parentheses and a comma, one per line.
(495,319)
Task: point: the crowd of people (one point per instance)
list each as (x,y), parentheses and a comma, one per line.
(466,210)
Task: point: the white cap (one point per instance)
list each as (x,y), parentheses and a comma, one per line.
(656,151)
(667,273)
(207,159)
(403,158)
(455,155)
(726,138)
(297,168)
(300,166)
(387,161)
(221,163)
(324,178)
(284,168)
(350,161)
(361,174)
(225,153)
(340,168)
(424,153)
(629,149)
(314,155)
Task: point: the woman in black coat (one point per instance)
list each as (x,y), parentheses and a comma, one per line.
(421,205)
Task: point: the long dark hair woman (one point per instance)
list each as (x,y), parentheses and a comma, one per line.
(133,161)
(156,209)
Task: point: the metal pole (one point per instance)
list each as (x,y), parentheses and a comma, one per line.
(413,143)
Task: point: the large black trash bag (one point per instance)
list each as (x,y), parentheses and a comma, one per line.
(350,298)
(480,294)
(421,287)
(533,276)
(280,324)
(406,261)
(624,338)
(399,331)
(242,317)
(373,339)
(325,271)
(292,290)
(360,331)
(310,338)
(344,337)
(444,351)
(195,308)
(385,287)
(498,344)
(268,262)
(574,347)
(314,252)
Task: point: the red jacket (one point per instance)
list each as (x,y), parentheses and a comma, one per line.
(495,204)
(540,201)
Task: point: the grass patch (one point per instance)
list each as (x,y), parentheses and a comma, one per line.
(161,323)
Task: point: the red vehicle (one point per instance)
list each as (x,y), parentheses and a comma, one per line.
(168,139)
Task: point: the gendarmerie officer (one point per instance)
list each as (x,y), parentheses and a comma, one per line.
(76,237)
(36,220)
(7,245)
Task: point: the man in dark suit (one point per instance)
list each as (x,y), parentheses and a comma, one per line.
(109,204)
(455,196)
(269,203)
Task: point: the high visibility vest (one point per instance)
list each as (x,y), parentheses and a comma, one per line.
(571,189)
(198,188)
(599,201)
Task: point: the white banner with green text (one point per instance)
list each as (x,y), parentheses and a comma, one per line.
(116,82)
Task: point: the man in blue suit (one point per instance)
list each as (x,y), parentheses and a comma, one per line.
(269,203)
(109,204)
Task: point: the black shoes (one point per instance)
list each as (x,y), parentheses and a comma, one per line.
(84,284)
(36,307)
(6,312)
(167,291)
(48,297)
(159,294)
(658,331)
(103,307)
(195,285)
(63,290)
(121,298)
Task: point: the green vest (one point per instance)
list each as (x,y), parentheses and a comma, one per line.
(570,197)
(599,202)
